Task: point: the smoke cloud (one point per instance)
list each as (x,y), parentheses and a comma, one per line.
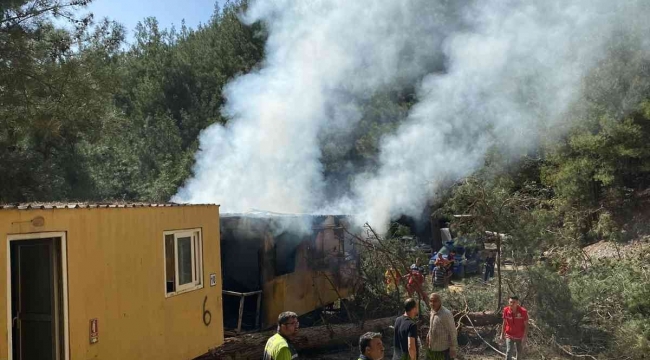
(488,73)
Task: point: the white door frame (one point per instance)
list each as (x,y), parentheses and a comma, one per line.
(64,277)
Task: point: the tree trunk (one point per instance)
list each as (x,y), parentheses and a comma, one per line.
(498,272)
(480,318)
(251,346)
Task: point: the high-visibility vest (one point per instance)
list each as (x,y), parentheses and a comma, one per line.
(275,346)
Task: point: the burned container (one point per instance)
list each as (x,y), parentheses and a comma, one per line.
(273,263)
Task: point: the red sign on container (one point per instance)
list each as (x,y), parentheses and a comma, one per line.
(94,331)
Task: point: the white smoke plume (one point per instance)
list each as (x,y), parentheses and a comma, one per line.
(510,66)
(519,67)
(268,157)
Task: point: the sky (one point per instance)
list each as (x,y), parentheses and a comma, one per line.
(168,12)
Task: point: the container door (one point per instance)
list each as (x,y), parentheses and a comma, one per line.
(35,308)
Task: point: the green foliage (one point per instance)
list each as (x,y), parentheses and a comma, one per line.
(597,172)
(498,203)
(51,98)
(475,296)
(84,119)
(615,295)
(372,299)
(171,85)
(398,230)
(600,167)
(551,302)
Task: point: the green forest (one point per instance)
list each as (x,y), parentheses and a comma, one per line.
(86,116)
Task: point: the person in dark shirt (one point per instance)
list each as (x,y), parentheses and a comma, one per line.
(420,268)
(432,263)
(406,333)
(450,266)
(489,267)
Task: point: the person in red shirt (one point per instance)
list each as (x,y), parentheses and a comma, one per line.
(515,328)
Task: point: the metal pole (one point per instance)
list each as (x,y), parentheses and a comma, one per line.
(257,313)
(241,313)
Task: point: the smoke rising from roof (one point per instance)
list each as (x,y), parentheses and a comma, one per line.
(509,68)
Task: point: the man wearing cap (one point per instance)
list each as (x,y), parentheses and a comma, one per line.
(279,347)
(371,346)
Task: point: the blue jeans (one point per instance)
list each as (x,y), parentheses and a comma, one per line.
(511,344)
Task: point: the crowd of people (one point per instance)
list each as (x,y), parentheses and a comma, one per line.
(441,268)
(440,344)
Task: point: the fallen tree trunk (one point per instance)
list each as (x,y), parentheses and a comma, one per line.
(248,347)
(480,318)
(251,346)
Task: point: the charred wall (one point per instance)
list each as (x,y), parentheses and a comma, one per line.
(241,253)
(268,252)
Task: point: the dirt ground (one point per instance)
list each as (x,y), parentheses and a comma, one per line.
(466,354)
(354,355)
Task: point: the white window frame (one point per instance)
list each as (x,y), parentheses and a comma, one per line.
(197,261)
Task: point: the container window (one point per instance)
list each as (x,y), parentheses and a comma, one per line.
(183,261)
(170,263)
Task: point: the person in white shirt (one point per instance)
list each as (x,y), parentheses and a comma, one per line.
(441,339)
